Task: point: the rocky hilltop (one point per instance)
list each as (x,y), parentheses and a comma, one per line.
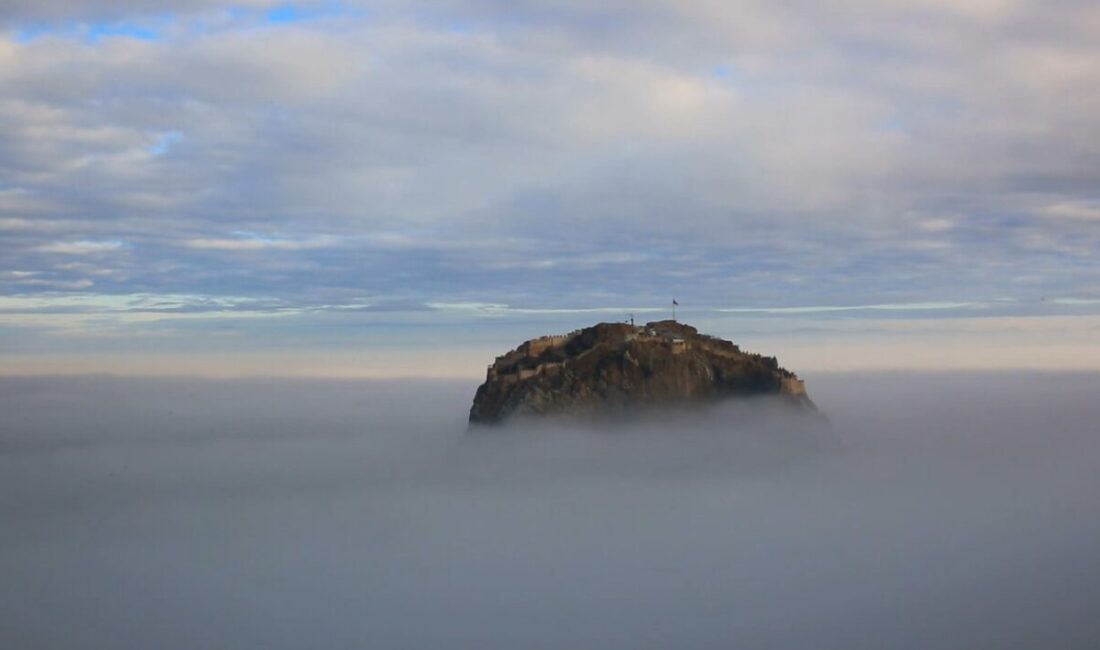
(615,369)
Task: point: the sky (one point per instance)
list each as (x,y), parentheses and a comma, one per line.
(382,188)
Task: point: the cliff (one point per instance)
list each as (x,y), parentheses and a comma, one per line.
(611,370)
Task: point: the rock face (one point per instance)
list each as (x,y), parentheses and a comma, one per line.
(612,370)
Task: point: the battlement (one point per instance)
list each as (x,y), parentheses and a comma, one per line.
(535,347)
(513,366)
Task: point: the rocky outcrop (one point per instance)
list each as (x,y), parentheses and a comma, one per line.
(612,370)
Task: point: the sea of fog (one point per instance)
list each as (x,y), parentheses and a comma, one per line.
(961,511)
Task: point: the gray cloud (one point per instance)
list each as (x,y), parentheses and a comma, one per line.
(961,514)
(17,12)
(776,155)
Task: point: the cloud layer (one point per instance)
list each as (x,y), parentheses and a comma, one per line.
(182,514)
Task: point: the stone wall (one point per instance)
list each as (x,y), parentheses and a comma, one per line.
(535,347)
(793,386)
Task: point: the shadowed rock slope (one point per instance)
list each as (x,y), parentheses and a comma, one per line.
(611,370)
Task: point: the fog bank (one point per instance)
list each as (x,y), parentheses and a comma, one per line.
(176,513)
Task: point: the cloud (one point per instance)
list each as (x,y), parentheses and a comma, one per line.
(15,223)
(255,243)
(67,285)
(1078,211)
(60,11)
(918,306)
(493,309)
(554,156)
(82,247)
(960,514)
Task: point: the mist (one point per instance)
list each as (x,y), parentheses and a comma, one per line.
(940,511)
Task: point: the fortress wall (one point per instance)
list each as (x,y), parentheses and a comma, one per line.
(510,358)
(793,386)
(550,368)
(525,373)
(535,347)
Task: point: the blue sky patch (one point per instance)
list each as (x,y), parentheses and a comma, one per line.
(291,13)
(93,32)
(164,142)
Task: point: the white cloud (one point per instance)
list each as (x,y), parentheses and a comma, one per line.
(82,247)
(937,224)
(256,243)
(817,309)
(67,285)
(493,309)
(1075,210)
